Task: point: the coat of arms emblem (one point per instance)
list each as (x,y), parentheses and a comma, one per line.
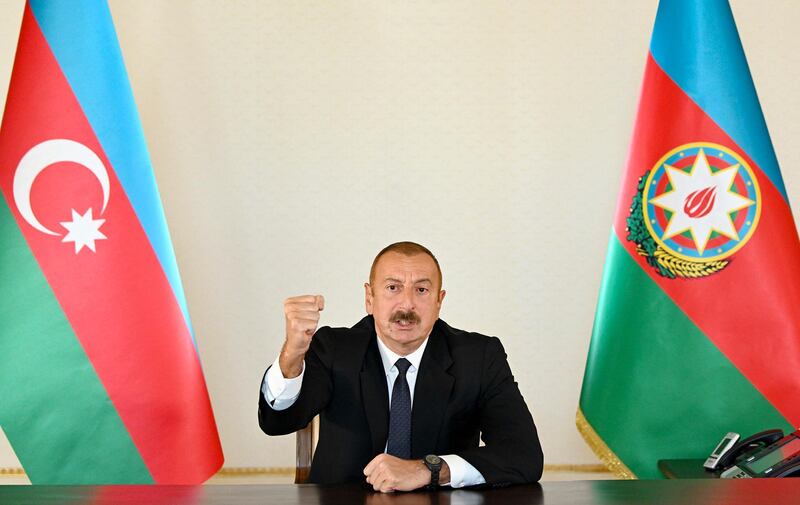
(697,206)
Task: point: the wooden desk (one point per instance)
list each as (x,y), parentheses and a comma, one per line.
(662,492)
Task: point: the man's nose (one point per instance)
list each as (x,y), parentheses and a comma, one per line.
(407,300)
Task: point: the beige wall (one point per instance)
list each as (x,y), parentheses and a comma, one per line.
(292,140)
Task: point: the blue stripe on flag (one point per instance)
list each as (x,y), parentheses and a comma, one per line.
(82,37)
(698,46)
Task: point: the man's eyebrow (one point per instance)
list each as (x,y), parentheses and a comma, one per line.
(419,281)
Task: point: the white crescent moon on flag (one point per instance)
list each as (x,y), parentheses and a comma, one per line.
(42,156)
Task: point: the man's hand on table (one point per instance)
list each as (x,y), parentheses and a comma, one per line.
(388,473)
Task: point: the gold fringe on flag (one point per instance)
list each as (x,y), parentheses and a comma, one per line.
(600,448)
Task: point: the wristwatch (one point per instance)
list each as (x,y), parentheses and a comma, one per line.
(434,464)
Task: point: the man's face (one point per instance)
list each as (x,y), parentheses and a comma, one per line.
(404,298)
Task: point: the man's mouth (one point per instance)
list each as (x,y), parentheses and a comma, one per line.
(404,319)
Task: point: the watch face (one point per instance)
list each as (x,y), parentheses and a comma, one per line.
(433,460)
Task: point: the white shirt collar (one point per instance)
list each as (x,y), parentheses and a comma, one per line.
(389,357)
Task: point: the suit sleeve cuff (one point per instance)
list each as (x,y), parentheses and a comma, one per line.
(280,392)
(462,473)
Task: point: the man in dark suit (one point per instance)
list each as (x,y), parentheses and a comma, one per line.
(403,398)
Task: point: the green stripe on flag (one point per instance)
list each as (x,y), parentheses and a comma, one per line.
(53,408)
(649,366)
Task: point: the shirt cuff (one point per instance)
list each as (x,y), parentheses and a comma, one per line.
(280,392)
(462,473)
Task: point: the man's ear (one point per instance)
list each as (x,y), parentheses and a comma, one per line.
(368,298)
(441,297)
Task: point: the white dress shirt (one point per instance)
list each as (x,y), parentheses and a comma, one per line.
(281,393)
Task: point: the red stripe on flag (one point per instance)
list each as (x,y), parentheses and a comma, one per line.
(750,308)
(118,300)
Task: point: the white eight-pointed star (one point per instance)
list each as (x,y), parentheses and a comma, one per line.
(83,230)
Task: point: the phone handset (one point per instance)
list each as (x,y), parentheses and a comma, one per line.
(749,445)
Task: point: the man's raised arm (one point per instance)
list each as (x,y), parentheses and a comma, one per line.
(278,411)
(302,318)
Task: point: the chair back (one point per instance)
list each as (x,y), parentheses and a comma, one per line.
(304,453)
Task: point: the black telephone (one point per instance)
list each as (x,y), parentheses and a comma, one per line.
(748,445)
(765,454)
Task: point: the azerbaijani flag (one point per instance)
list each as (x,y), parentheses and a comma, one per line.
(100,379)
(697,330)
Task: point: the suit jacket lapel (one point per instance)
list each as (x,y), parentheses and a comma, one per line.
(375,396)
(431,394)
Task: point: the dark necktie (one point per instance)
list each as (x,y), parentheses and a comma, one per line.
(400,414)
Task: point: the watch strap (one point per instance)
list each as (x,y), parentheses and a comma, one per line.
(434,478)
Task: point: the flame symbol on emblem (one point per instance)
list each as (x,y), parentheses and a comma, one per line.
(699,203)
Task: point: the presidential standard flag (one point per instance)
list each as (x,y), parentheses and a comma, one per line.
(100,380)
(697,329)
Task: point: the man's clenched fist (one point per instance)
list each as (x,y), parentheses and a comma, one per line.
(386,473)
(302,317)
